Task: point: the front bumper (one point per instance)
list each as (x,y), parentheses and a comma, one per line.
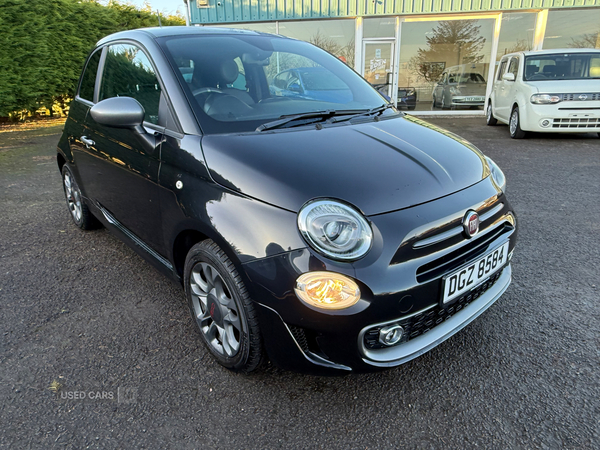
(563,117)
(397,280)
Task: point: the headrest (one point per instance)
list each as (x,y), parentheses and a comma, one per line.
(229,71)
(530,70)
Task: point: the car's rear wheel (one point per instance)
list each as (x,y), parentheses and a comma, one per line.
(489,115)
(80,212)
(412,107)
(221,308)
(514,125)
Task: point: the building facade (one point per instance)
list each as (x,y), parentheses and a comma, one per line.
(417,49)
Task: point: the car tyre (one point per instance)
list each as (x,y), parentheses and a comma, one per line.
(412,107)
(514,125)
(80,213)
(221,308)
(489,115)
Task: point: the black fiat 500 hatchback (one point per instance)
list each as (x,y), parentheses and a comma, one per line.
(309,222)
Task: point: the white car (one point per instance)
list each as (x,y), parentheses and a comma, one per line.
(547,91)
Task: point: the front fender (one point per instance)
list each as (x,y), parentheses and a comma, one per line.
(245,228)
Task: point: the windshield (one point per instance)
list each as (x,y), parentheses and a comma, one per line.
(236,82)
(563,66)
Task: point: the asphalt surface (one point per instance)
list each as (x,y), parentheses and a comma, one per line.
(83,310)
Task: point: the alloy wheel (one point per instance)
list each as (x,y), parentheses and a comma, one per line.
(73,196)
(215,310)
(514,122)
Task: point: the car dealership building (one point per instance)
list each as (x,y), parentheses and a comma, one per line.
(408,46)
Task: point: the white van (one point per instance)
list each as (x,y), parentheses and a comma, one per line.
(547,91)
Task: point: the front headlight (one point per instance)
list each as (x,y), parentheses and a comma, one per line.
(454,91)
(545,99)
(497,174)
(335,229)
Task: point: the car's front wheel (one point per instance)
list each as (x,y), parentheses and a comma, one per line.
(221,308)
(489,115)
(514,125)
(80,212)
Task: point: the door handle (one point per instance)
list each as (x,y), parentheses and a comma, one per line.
(88,142)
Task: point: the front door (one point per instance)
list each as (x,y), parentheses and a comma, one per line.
(125,167)
(378,64)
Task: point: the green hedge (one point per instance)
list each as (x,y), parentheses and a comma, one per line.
(44,43)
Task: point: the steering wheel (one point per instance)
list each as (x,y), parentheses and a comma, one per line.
(538,76)
(206,89)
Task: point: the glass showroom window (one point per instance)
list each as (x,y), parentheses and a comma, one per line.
(446,62)
(381,27)
(573,29)
(516,33)
(335,36)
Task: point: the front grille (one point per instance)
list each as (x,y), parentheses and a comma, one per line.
(584,122)
(575,97)
(453,260)
(422,322)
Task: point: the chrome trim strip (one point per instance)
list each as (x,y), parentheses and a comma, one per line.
(394,356)
(113,221)
(438,237)
(457,230)
(492,212)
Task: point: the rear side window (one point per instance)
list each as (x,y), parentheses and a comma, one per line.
(129,73)
(88,81)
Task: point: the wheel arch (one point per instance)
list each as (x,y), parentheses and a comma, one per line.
(182,244)
(60,160)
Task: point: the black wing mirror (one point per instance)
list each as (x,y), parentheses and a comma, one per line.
(124,112)
(119,112)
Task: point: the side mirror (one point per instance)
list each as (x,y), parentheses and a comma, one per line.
(119,112)
(124,112)
(508,77)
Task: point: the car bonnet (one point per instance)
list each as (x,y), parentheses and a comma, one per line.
(378,166)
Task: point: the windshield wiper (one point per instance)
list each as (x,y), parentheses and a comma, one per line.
(371,112)
(318,115)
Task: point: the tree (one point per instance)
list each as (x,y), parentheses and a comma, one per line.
(453,42)
(44,44)
(588,40)
(344,52)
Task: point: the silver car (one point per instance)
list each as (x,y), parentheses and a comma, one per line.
(456,88)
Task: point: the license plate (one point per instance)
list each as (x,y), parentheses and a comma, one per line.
(474,99)
(473,274)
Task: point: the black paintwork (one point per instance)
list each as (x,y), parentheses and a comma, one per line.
(243,191)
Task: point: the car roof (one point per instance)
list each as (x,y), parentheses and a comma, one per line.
(554,51)
(157,32)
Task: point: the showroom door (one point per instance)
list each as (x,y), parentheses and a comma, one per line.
(378,64)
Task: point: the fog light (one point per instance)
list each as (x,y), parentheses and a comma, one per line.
(327,290)
(545,123)
(390,335)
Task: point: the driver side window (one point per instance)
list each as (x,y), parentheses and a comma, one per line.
(129,73)
(514,66)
